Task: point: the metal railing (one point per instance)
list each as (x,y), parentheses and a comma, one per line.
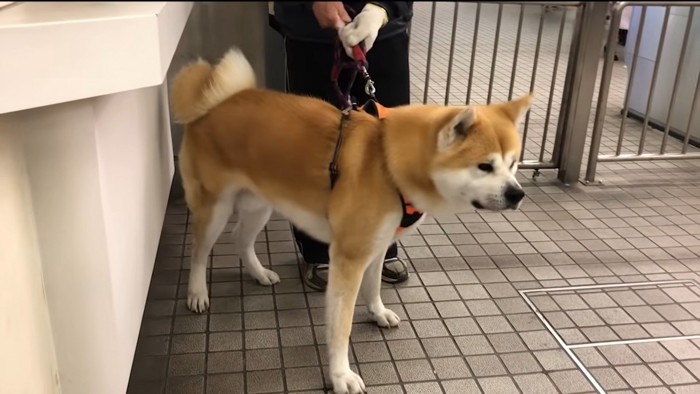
(651,108)
(481,52)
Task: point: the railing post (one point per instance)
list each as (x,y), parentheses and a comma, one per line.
(587,55)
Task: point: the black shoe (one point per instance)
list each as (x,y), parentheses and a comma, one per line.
(394,271)
(316,275)
(315,255)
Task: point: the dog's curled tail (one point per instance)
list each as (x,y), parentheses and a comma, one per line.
(199,87)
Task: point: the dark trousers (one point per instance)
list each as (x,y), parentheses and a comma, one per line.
(308,73)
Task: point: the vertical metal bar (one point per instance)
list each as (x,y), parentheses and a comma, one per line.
(452,53)
(592,35)
(654,76)
(477,17)
(603,92)
(515,53)
(563,122)
(677,80)
(554,83)
(430,52)
(686,139)
(532,81)
(495,51)
(633,70)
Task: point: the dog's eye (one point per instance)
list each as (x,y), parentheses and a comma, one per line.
(512,165)
(485,167)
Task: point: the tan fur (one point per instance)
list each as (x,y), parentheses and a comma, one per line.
(186,93)
(199,88)
(277,147)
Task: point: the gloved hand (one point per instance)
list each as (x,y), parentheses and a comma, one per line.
(365,27)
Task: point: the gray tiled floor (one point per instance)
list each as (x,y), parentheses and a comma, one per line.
(466,325)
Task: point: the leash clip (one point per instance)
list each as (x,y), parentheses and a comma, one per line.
(357,64)
(369,88)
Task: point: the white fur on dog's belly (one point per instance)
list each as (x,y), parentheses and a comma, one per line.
(313,225)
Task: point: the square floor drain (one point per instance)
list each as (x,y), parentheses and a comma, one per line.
(653,318)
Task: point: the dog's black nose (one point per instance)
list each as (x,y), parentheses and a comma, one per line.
(514,195)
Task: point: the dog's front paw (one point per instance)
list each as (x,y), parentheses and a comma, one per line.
(198,299)
(347,382)
(267,277)
(386,318)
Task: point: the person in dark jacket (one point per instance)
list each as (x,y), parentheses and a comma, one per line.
(310,30)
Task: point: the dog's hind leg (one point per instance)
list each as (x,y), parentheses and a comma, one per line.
(210,214)
(370,290)
(253,214)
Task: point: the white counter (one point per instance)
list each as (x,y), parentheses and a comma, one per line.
(59,52)
(84,112)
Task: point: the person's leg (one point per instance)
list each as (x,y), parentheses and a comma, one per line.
(307,66)
(309,69)
(388,66)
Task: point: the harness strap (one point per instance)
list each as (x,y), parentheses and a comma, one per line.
(333,167)
(371,107)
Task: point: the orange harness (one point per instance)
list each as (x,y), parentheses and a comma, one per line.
(410,215)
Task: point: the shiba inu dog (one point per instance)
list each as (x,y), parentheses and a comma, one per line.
(256,151)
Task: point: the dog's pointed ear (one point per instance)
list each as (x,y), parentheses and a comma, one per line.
(457,128)
(516,109)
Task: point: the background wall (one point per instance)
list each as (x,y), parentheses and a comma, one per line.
(215,27)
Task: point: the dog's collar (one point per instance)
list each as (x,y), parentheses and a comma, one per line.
(409,215)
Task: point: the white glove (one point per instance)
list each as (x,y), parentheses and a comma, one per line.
(365,27)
